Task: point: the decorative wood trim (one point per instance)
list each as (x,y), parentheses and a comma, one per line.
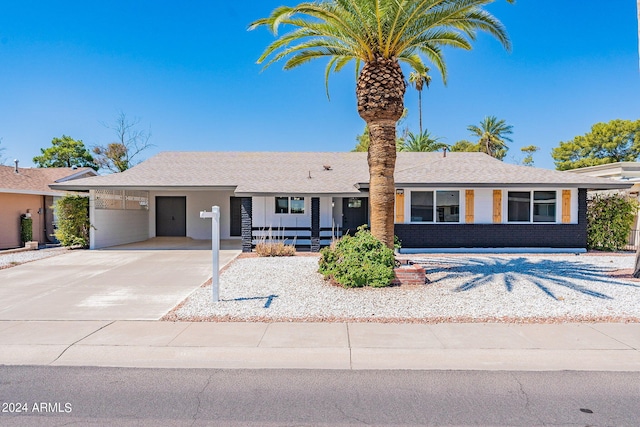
(566,206)
(497,206)
(469,206)
(399,206)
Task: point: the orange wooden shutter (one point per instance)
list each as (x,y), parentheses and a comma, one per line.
(469,206)
(399,206)
(566,206)
(497,206)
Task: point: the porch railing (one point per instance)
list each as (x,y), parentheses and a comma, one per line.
(634,241)
(300,236)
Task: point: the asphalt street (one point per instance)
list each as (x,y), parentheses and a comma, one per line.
(56,396)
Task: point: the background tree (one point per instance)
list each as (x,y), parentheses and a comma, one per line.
(378,35)
(65,152)
(529,150)
(615,141)
(492,134)
(465,146)
(422,142)
(420,79)
(363,141)
(118,156)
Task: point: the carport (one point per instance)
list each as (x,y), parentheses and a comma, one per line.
(141,281)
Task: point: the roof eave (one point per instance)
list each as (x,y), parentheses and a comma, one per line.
(71,187)
(32,192)
(589,186)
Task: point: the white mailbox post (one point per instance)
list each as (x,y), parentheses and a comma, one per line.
(215,249)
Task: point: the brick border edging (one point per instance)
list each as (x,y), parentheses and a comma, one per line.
(411,274)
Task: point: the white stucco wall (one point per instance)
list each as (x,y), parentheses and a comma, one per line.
(483,205)
(264,215)
(118,227)
(337,211)
(197,228)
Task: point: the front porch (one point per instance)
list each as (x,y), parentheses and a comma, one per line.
(308,223)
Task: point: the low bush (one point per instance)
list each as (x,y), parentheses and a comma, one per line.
(73,221)
(26,229)
(357,261)
(609,221)
(275,249)
(270,244)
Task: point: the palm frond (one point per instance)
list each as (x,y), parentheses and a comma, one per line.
(362,30)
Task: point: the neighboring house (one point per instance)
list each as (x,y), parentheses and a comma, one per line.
(442,201)
(622,171)
(627,172)
(26,190)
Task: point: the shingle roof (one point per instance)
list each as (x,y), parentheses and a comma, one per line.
(36,180)
(479,169)
(305,173)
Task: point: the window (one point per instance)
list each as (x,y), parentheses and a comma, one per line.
(447,206)
(297,205)
(293,205)
(521,209)
(519,206)
(355,202)
(282,205)
(422,206)
(544,206)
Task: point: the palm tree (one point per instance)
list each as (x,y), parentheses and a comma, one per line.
(418,80)
(422,142)
(492,134)
(378,35)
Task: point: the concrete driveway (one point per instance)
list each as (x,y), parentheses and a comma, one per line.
(117,284)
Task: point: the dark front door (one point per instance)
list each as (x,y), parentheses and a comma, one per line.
(171,216)
(355,212)
(236,216)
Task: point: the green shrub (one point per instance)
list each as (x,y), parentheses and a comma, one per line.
(73,221)
(397,243)
(26,229)
(357,261)
(609,221)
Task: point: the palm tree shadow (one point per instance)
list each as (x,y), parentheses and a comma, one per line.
(268,299)
(511,272)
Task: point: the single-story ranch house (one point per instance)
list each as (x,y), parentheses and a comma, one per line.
(25,191)
(443,200)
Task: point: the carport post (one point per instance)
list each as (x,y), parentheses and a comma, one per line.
(215,249)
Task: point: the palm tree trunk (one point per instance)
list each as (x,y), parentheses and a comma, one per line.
(380,93)
(382,163)
(420,106)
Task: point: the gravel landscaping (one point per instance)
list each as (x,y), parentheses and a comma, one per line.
(8,260)
(462,288)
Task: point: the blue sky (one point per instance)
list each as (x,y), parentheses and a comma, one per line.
(187,70)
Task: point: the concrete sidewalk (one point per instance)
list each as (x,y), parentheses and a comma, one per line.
(476,346)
